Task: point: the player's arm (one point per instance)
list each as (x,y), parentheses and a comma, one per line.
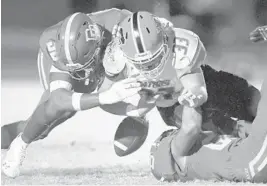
(187,135)
(190,74)
(116,70)
(135,105)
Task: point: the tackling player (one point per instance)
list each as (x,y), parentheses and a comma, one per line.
(235,159)
(70,69)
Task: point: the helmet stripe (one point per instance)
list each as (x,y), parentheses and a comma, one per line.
(67,38)
(136,34)
(141,35)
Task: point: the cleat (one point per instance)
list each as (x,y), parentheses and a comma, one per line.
(14,157)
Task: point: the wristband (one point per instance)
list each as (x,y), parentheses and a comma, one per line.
(76,101)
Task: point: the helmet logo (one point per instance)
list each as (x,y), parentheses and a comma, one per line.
(92,33)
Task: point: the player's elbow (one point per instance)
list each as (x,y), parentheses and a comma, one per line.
(203,95)
(192,130)
(59,102)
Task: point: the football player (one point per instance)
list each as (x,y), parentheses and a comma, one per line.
(235,159)
(214,157)
(70,69)
(167,62)
(231,99)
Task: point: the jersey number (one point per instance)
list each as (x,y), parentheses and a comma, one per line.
(51,47)
(92,33)
(181,46)
(180,49)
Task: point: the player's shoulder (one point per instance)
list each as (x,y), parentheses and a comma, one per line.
(109,17)
(189,49)
(48,37)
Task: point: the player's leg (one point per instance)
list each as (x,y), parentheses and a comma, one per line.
(37,125)
(253,149)
(9,132)
(12,130)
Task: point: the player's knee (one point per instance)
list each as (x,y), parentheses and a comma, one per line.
(56,104)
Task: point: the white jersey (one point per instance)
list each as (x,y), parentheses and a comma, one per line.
(188,53)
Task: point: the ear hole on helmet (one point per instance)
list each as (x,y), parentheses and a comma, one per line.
(129,19)
(141,16)
(58,36)
(85,23)
(78,36)
(148,30)
(126,35)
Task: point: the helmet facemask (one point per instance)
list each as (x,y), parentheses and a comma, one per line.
(82,72)
(151,66)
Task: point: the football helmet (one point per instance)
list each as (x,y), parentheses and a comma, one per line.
(77,46)
(144,43)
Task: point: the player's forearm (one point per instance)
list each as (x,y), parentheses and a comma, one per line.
(194,83)
(190,129)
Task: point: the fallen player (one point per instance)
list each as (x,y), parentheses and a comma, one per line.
(231,100)
(213,156)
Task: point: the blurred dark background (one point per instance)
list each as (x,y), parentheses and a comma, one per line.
(223,26)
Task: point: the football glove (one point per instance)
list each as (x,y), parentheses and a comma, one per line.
(259,34)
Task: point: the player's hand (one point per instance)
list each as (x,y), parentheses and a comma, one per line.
(259,34)
(190,99)
(120,91)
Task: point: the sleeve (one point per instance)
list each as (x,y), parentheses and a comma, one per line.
(189,50)
(190,53)
(57,78)
(47,41)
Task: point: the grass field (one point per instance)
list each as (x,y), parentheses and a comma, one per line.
(80,151)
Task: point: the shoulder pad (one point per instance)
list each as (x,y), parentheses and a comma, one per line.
(189,50)
(48,38)
(103,17)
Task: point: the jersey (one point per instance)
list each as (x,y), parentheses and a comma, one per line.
(52,78)
(188,54)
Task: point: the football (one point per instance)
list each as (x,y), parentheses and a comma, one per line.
(130,135)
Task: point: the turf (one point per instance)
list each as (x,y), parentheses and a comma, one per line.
(80,151)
